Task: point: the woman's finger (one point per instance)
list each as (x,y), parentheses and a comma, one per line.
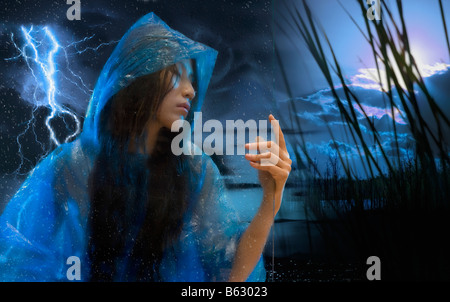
(276,172)
(278,132)
(264,146)
(268,158)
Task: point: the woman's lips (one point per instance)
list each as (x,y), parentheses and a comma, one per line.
(185,106)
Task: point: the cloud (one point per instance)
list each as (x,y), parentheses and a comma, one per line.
(373,78)
(379,113)
(322,108)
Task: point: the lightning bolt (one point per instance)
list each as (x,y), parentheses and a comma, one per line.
(46,68)
(40,50)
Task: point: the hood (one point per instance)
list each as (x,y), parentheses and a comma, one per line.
(148,46)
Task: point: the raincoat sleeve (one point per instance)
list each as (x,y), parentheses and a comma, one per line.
(218,227)
(40,227)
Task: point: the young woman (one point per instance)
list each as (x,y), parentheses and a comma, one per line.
(118,198)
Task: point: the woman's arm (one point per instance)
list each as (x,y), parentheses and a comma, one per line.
(253,241)
(273,179)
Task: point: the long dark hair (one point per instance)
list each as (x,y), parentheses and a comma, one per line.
(137,200)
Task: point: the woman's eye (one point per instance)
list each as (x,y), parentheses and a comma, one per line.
(175,80)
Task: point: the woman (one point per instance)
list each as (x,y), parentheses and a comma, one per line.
(120,201)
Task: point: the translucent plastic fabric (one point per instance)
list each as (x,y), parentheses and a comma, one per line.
(46,222)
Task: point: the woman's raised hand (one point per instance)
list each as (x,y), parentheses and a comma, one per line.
(272,162)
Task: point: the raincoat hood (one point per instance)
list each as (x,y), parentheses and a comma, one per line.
(148,46)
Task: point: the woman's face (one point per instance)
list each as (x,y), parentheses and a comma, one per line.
(176,104)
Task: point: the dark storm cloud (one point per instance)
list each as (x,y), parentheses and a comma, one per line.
(75,76)
(78,63)
(342,147)
(19,151)
(439,88)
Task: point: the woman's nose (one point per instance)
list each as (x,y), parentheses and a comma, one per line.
(188,90)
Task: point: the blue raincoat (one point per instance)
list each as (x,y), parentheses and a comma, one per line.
(46,222)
